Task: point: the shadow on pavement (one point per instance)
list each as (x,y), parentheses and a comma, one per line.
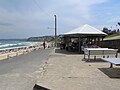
(63,51)
(111,72)
(37,87)
(93,60)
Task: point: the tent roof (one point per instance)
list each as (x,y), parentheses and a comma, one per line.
(85,30)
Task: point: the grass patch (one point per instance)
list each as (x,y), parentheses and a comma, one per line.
(113,35)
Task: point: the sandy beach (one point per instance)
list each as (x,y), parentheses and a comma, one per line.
(11,52)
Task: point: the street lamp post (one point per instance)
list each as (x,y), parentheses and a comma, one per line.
(55,30)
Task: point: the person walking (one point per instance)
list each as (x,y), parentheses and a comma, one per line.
(44,44)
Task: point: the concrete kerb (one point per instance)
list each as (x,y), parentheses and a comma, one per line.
(43,64)
(43,67)
(42,70)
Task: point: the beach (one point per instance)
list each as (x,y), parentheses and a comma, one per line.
(15,51)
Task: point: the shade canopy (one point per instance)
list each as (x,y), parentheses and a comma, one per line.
(86,30)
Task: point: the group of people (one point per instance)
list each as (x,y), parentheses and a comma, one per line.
(89,45)
(74,45)
(62,45)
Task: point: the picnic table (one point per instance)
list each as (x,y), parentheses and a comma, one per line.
(99,51)
(115,61)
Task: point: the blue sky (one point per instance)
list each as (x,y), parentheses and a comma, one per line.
(26,18)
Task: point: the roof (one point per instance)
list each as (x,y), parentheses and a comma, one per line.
(85,30)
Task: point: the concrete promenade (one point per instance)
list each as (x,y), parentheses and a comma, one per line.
(21,72)
(68,71)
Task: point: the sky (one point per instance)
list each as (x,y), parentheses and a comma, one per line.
(29,18)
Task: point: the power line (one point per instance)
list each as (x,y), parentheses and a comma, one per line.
(48,15)
(37,4)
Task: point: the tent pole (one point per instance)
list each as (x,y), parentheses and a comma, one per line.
(79,44)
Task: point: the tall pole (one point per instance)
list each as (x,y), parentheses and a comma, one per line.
(55,30)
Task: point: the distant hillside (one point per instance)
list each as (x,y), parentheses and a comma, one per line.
(41,38)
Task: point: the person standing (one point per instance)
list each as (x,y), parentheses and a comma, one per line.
(44,44)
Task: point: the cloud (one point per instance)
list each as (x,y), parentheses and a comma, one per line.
(113,19)
(78,9)
(5,24)
(5,30)
(25,17)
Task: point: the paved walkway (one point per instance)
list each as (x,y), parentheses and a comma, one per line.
(21,72)
(68,71)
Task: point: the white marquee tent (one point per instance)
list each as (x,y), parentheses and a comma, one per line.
(85,30)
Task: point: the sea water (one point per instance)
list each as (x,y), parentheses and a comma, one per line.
(7,43)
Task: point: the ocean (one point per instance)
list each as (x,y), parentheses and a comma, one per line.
(10,43)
